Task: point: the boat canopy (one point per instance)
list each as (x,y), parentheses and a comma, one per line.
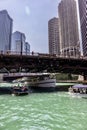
(79,86)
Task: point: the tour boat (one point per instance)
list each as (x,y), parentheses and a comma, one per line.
(40,82)
(78,90)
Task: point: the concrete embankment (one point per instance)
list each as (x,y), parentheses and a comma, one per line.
(5,87)
(59,87)
(63,86)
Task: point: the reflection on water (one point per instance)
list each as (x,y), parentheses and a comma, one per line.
(46,111)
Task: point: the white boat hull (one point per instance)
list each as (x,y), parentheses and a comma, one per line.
(47,83)
(79,95)
(43,86)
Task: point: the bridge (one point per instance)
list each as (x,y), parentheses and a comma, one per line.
(43,62)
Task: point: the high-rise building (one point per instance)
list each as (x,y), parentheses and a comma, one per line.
(68,24)
(53,36)
(5,31)
(27,48)
(18,43)
(83,24)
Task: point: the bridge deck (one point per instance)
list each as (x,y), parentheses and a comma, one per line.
(41,62)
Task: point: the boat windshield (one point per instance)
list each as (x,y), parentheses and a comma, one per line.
(79,86)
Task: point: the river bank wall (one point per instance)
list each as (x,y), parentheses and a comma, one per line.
(59,87)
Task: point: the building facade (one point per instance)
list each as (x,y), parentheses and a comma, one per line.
(27,48)
(18,43)
(68,24)
(6,23)
(83,24)
(53,36)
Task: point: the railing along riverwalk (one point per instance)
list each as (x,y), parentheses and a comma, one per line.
(9,52)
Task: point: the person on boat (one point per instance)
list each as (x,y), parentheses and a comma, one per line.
(24,88)
(70,89)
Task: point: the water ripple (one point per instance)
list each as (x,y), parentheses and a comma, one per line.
(54,111)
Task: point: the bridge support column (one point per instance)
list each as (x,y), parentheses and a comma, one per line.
(70,76)
(85,77)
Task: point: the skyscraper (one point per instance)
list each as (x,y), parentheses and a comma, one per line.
(68,23)
(83,24)
(18,42)
(5,31)
(27,48)
(53,36)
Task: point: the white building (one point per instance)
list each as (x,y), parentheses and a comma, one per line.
(68,24)
(53,36)
(5,31)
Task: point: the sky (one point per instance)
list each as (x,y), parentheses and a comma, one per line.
(31,18)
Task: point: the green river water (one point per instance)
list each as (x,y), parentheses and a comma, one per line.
(43,111)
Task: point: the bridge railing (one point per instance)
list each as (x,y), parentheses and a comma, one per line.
(38,54)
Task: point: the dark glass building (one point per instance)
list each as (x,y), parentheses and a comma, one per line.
(83,24)
(5,31)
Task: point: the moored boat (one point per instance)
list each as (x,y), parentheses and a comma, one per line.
(44,82)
